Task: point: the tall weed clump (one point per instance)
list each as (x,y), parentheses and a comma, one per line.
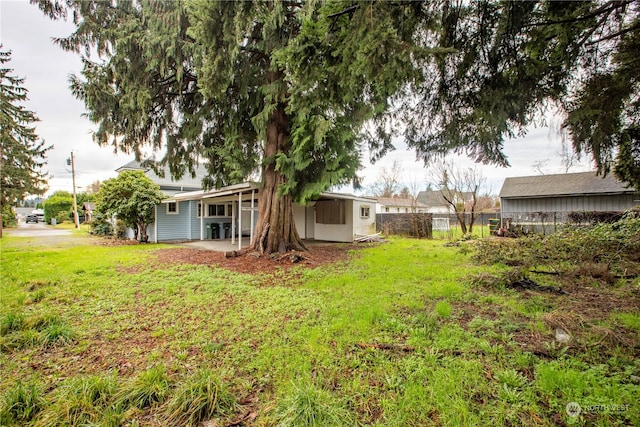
(18,331)
(83,401)
(200,397)
(307,405)
(149,388)
(21,403)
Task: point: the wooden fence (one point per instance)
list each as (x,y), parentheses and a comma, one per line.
(405,224)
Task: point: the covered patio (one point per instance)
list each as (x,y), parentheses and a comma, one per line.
(222,220)
(226,218)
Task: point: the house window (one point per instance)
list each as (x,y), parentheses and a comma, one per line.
(364,211)
(172,208)
(330,212)
(386,209)
(216,210)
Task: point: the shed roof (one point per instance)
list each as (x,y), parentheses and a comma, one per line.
(559,185)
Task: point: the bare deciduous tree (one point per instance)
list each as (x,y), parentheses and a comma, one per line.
(460,188)
(388,183)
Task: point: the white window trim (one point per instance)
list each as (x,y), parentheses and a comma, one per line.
(368,208)
(177,212)
(226,208)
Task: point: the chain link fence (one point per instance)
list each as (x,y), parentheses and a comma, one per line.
(447,226)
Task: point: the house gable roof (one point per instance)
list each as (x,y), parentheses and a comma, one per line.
(186,183)
(398,202)
(559,185)
(434,198)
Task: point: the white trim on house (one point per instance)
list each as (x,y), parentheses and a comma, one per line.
(175,204)
(155,224)
(243,214)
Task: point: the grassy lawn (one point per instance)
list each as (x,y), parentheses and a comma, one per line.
(401,334)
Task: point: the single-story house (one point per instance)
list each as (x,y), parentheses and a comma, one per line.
(399,205)
(232,212)
(562,194)
(191,213)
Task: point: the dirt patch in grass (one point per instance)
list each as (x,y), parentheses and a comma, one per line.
(580,312)
(315,257)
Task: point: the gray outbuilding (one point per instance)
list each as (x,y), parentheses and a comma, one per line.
(555,197)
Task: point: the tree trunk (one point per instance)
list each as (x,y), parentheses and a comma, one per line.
(142,233)
(276,229)
(462,221)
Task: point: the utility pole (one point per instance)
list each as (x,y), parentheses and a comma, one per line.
(73,177)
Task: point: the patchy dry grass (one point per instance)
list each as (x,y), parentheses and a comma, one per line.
(393,334)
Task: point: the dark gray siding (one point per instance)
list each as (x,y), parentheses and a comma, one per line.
(570,204)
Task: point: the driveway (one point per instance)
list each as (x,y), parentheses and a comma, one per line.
(35,230)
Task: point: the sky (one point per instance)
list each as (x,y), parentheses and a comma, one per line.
(28,34)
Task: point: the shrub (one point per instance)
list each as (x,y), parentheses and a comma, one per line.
(62,216)
(611,248)
(59,201)
(121,229)
(99,226)
(8,216)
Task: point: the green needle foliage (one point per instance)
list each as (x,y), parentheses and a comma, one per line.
(22,156)
(290,90)
(516,60)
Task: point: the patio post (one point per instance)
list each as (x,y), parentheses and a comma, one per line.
(240,220)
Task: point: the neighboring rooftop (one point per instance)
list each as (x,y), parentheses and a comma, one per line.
(434,198)
(400,202)
(568,184)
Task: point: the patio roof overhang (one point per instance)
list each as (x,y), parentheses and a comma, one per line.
(244,187)
(229,190)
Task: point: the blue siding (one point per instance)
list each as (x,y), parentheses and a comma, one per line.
(172,226)
(195,221)
(186,224)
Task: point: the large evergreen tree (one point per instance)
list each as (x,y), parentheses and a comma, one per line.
(284,88)
(22,156)
(517,60)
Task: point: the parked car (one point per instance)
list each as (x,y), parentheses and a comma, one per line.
(37,215)
(32,218)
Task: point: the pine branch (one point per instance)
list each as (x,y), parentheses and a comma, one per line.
(348,11)
(614,35)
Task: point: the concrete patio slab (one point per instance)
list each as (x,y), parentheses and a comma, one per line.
(224,245)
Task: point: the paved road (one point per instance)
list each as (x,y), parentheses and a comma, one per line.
(36,230)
